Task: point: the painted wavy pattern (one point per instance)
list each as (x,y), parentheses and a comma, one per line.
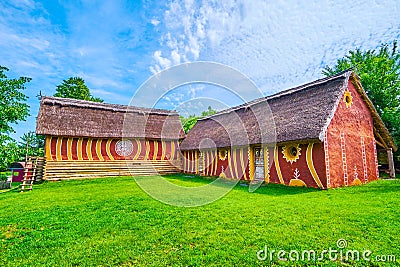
(69,148)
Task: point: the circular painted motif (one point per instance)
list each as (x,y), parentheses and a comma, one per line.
(222,154)
(124,148)
(348,99)
(291,153)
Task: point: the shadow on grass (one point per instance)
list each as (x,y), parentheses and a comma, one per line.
(268,189)
(379,187)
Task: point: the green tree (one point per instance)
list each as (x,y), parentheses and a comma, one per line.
(76,88)
(32,144)
(379,72)
(9,152)
(13,108)
(189,122)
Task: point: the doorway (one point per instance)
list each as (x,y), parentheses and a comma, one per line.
(258,163)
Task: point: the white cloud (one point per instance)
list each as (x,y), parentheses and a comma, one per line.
(163,61)
(176,58)
(155,22)
(278,44)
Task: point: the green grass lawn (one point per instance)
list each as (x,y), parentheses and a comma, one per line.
(112,222)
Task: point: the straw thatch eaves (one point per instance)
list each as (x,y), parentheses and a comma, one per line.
(79,118)
(301,114)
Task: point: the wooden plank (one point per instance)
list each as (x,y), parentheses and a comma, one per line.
(64,170)
(392,173)
(379,140)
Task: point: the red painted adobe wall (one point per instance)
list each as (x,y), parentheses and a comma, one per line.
(64,148)
(235,165)
(310,168)
(309,165)
(350,129)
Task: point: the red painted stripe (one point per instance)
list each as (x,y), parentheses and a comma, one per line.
(64,150)
(53,148)
(142,154)
(93,149)
(160,150)
(74,149)
(167,154)
(84,152)
(104,149)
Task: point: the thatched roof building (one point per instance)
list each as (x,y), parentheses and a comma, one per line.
(79,118)
(88,139)
(299,114)
(321,134)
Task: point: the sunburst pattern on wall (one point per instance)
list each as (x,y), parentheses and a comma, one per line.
(347,98)
(223,153)
(291,153)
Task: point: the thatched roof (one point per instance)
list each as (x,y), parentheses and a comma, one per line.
(300,114)
(79,118)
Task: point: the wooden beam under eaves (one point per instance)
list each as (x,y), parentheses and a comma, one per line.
(379,140)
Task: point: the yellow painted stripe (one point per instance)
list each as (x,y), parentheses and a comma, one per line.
(229,169)
(163,150)
(235,170)
(89,149)
(209,156)
(211,163)
(79,148)
(278,169)
(192,167)
(266,164)
(69,148)
(189,161)
(242,163)
(155,151)
(58,148)
(108,149)
(310,165)
(98,149)
(147,149)
(48,148)
(197,161)
(194,162)
(216,162)
(172,150)
(251,163)
(205,160)
(139,149)
(185,161)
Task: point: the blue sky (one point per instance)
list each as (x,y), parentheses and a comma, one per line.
(117,45)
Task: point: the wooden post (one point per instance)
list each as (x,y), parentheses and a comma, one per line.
(391,163)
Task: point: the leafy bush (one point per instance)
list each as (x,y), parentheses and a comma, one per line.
(3,176)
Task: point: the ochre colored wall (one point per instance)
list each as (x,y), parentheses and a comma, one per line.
(307,170)
(348,135)
(64,148)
